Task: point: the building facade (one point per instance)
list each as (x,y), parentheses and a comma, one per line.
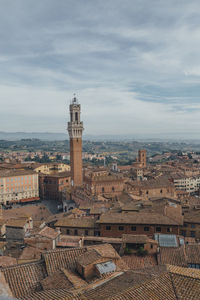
(75,130)
(18,186)
(52,187)
(51,168)
(103,183)
(187,184)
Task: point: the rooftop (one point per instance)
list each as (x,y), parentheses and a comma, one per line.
(83,222)
(136,218)
(15,172)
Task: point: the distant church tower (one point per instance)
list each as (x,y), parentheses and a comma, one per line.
(75,130)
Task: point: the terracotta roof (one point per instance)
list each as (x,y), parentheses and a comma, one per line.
(58,294)
(30,253)
(136,218)
(88,258)
(49,233)
(57,280)
(58,259)
(19,223)
(160,288)
(24,279)
(85,222)
(193,253)
(105,250)
(74,279)
(6,261)
(172,256)
(151,184)
(189,272)
(135,262)
(59,175)
(135,239)
(114,285)
(13,172)
(192,216)
(37,212)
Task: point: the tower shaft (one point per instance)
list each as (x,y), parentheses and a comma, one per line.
(75,130)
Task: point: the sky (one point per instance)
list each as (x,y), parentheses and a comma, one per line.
(133,64)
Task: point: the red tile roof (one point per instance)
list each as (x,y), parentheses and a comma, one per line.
(58,259)
(58,294)
(88,258)
(49,233)
(161,288)
(172,256)
(137,218)
(24,279)
(134,262)
(193,253)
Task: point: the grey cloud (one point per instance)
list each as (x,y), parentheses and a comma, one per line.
(145,50)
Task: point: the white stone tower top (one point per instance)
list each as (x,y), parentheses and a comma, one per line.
(75,126)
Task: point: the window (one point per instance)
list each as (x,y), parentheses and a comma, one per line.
(151,246)
(68,231)
(158,229)
(183,232)
(161,191)
(169,229)
(185,225)
(146,228)
(75,232)
(192,233)
(97,233)
(133,228)
(113,189)
(102,189)
(192,225)
(86,232)
(76,116)
(108,227)
(147,192)
(121,228)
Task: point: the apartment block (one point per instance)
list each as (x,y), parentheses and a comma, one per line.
(18,186)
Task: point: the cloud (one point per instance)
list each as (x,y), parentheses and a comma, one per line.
(134,64)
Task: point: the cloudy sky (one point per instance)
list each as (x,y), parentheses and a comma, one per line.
(134,65)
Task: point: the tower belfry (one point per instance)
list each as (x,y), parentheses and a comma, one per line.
(75,130)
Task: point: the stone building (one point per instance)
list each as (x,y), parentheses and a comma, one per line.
(189,184)
(152,188)
(75,130)
(18,186)
(84,226)
(50,168)
(53,186)
(101,182)
(17,228)
(148,223)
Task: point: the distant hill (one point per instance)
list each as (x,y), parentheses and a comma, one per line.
(48,136)
(52,136)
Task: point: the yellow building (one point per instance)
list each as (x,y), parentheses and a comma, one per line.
(51,168)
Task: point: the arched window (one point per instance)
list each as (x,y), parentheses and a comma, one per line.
(113,189)
(76,116)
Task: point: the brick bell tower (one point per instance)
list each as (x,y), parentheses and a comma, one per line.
(75,130)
